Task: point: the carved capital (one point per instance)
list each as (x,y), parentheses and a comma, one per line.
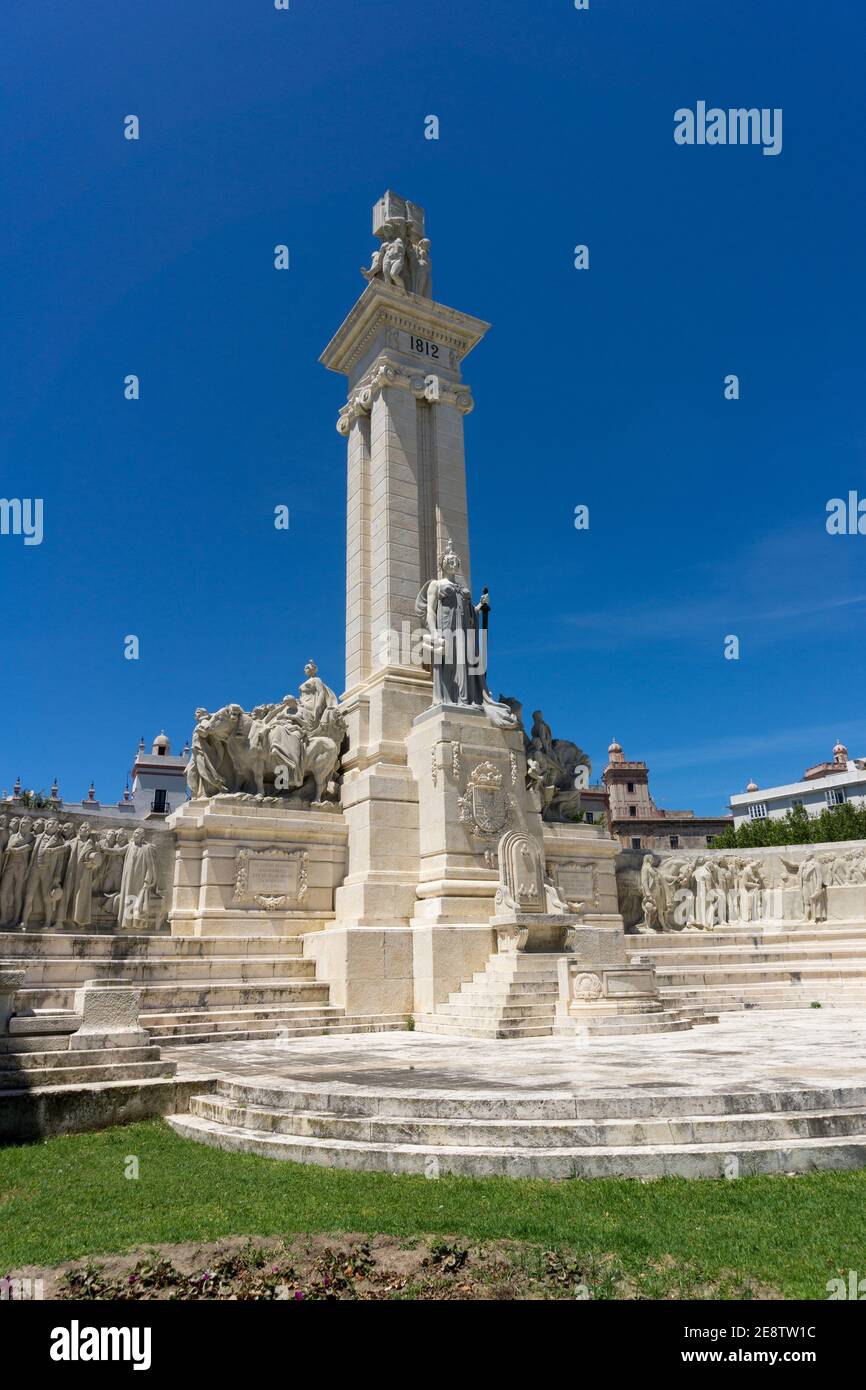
(385,373)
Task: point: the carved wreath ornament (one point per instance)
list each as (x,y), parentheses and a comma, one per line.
(485,807)
(271,902)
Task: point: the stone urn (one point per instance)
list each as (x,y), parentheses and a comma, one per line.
(11,980)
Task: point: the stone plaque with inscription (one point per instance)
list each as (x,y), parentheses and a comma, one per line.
(576,883)
(271,878)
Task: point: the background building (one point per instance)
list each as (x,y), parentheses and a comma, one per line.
(638,823)
(158,787)
(158,779)
(821,787)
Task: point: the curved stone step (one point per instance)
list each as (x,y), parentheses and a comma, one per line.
(396,1101)
(535,1134)
(664,1160)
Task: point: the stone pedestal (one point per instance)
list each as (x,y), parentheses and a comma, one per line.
(109,1017)
(247,866)
(380,801)
(11,981)
(600,991)
(471,779)
(580,861)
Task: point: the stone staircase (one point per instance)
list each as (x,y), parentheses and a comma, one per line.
(516,996)
(512,997)
(546,1135)
(27,1062)
(194,989)
(758,967)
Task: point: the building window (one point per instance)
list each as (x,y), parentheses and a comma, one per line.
(758,810)
(635,842)
(158,799)
(632,810)
(835,796)
(675,842)
(590,817)
(629,786)
(710,839)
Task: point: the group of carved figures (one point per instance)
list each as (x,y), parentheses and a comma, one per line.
(289,747)
(52,876)
(402,259)
(707,891)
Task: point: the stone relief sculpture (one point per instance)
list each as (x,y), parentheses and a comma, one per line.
(291,748)
(706,891)
(455,642)
(52,877)
(530,912)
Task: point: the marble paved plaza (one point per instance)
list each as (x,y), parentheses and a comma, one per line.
(806,1048)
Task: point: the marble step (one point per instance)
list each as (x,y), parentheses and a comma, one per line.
(737,955)
(204,995)
(483,1010)
(268,1032)
(745,974)
(629,1103)
(183,1018)
(472,1027)
(502,988)
(46,970)
(664,1021)
(78,1075)
(783,1155)
(762,998)
(536,1134)
(522,963)
(58,1059)
(128,946)
(744,936)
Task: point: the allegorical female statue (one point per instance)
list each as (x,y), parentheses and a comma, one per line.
(456,644)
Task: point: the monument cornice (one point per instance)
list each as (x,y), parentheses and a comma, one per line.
(385,306)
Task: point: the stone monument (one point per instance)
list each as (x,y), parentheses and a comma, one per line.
(370,823)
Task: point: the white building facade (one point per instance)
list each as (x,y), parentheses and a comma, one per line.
(821,788)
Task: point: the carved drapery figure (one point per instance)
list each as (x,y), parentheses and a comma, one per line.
(140,903)
(44,891)
(90,856)
(16,862)
(456,642)
(814,890)
(286,747)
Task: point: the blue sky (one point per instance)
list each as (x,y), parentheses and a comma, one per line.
(602,387)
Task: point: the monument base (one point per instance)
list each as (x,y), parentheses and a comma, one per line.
(251,866)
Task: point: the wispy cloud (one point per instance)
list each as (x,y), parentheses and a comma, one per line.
(760,745)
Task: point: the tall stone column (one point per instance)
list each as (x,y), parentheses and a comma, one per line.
(406,496)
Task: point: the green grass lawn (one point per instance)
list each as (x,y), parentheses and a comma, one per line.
(69,1197)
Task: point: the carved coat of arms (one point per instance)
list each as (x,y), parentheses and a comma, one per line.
(485,806)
